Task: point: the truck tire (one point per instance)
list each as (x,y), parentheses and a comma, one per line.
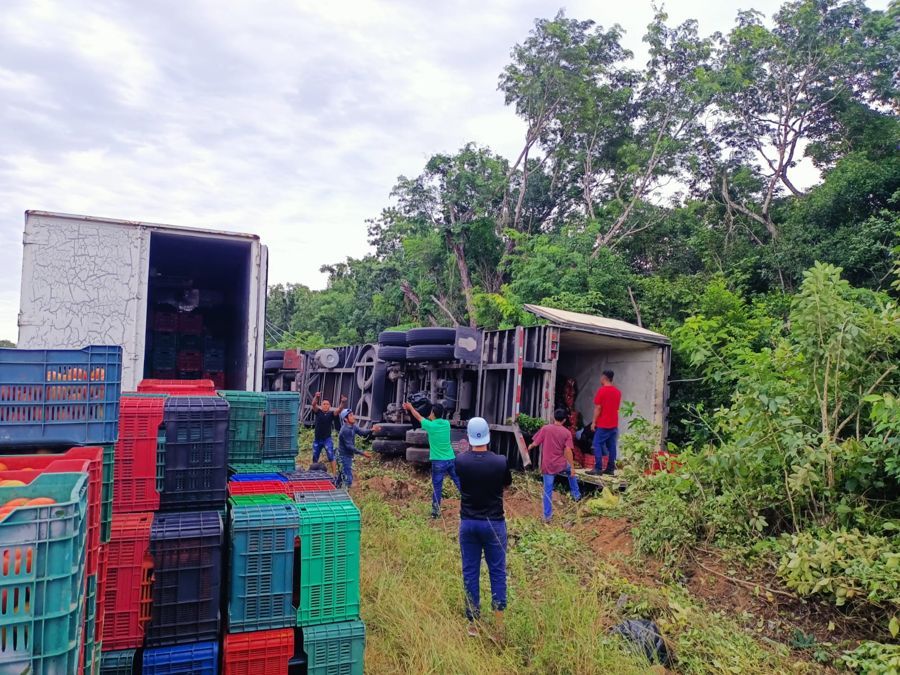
(418,455)
(388,353)
(431,336)
(430,353)
(417,437)
(392,338)
(392,431)
(365,368)
(385,446)
(273,354)
(273,364)
(364,410)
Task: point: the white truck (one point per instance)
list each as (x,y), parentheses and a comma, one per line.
(89,280)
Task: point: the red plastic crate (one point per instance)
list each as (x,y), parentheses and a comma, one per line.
(87,460)
(178,387)
(101,588)
(291,359)
(309,486)
(165,322)
(265,652)
(218,379)
(192,324)
(190,360)
(258,487)
(135,467)
(127,595)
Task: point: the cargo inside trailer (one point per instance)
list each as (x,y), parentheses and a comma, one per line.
(197,309)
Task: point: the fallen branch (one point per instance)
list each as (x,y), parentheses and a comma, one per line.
(746,584)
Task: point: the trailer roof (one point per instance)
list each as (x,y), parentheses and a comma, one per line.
(140,223)
(596,324)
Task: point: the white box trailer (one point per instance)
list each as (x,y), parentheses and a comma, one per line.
(88,280)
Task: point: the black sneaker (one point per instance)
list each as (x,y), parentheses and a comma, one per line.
(594,472)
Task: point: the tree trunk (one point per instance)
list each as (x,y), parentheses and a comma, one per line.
(459,251)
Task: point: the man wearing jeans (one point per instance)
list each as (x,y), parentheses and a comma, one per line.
(556,458)
(482,525)
(440,452)
(606,424)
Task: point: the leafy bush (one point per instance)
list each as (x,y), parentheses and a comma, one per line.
(848,567)
(666,515)
(873,658)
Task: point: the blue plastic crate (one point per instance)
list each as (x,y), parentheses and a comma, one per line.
(201,658)
(261,561)
(60,396)
(248,477)
(118,663)
(196,454)
(335,649)
(43,618)
(187,577)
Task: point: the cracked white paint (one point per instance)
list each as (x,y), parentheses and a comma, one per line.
(84,283)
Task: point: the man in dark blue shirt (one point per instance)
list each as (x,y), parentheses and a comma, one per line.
(324,422)
(482,525)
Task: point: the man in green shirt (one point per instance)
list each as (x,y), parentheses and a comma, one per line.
(443,459)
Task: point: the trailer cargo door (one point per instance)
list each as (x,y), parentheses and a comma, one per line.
(84,283)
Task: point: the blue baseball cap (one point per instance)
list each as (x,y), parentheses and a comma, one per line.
(478,431)
(344,413)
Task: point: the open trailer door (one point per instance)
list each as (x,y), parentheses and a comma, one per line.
(640,359)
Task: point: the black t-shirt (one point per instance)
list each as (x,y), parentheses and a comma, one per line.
(482,476)
(324,424)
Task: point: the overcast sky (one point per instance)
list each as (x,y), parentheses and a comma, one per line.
(290,119)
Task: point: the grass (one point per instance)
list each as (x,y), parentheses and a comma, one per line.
(563,600)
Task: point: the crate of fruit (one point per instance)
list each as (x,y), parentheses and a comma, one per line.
(42,545)
(60,396)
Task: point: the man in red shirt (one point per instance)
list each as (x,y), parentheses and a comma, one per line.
(606,424)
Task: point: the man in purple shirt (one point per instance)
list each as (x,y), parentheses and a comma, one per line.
(556,458)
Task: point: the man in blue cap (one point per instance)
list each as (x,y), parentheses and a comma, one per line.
(482,525)
(347,445)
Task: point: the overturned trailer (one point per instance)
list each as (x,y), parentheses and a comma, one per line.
(497,374)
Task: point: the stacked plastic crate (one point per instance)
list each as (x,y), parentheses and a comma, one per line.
(54,503)
(280,442)
(263,428)
(165,563)
(294,574)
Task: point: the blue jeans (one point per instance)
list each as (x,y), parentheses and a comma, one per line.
(440,469)
(346,470)
(327,445)
(605,444)
(488,537)
(548,489)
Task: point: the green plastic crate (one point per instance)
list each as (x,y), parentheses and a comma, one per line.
(329,562)
(90,625)
(240,467)
(283,465)
(106,493)
(251,500)
(118,663)
(335,649)
(48,638)
(245,424)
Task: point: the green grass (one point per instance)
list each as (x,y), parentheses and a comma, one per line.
(562,602)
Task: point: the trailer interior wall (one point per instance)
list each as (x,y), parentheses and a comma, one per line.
(221,266)
(639,367)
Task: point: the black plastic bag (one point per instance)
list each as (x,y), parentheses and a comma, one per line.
(645,638)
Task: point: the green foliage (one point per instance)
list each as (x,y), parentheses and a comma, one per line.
(873,658)
(529,425)
(848,567)
(667,517)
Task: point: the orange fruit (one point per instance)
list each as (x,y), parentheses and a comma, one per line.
(2,466)
(11,483)
(18,501)
(41,501)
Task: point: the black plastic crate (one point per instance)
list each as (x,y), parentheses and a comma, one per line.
(187,550)
(307,475)
(195,474)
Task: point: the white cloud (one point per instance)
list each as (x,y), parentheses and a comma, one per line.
(287,118)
